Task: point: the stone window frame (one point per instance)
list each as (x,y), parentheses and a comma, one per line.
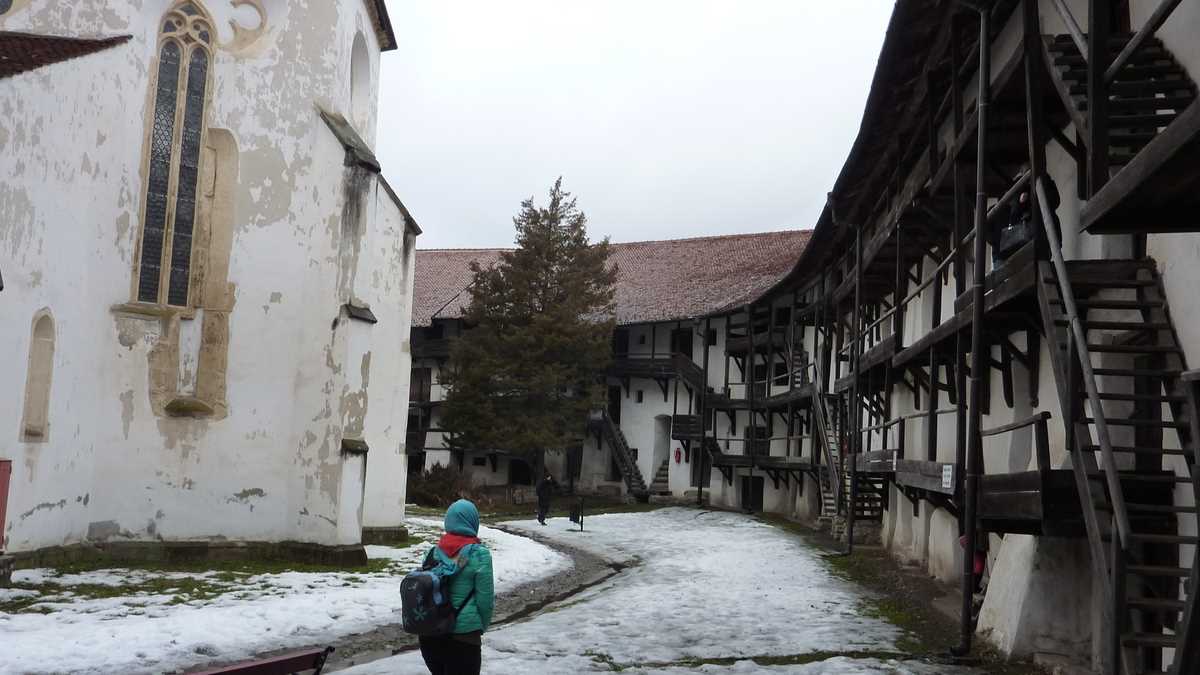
(190,28)
(39,375)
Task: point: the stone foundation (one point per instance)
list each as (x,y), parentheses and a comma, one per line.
(180,552)
(6,570)
(385,536)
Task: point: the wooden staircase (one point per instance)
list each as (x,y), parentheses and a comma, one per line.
(661,483)
(1145,95)
(624,456)
(871,500)
(832,478)
(1142,418)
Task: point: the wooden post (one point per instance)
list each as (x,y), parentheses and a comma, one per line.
(1034,113)
(751,357)
(1099,31)
(960,274)
(856,397)
(702,454)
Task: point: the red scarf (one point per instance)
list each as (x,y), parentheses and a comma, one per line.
(451,543)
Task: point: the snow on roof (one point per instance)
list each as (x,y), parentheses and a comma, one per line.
(664,280)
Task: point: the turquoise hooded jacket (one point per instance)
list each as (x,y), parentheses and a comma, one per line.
(462,518)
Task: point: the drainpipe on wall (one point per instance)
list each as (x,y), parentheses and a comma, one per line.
(974,440)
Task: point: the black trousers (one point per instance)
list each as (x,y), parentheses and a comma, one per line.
(446,656)
(543,509)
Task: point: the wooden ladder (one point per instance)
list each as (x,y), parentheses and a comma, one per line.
(1144,416)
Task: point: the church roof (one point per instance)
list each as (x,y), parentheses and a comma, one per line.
(666,280)
(22,52)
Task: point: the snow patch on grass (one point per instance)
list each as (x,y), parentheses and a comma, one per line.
(145,620)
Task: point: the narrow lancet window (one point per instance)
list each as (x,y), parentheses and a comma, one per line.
(176,136)
(35,422)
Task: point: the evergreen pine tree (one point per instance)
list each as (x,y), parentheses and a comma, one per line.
(530,365)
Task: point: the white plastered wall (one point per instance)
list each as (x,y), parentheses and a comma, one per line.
(112,469)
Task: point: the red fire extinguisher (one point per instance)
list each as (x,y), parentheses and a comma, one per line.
(678,455)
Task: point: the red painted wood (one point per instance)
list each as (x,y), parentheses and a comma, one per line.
(5,474)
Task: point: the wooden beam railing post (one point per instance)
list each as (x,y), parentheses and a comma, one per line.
(1077,335)
(1097,94)
(1073,27)
(1156,20)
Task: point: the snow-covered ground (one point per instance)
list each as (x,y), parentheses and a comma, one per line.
(193,618)
(707,586)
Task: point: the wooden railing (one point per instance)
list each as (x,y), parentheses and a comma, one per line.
(1077,344)
(1041,437)
(1155,22)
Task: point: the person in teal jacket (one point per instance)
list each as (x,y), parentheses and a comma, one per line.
(471,590)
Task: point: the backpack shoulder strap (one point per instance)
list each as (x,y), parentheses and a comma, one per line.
(466,600)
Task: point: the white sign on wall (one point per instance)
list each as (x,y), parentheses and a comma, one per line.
(947,476)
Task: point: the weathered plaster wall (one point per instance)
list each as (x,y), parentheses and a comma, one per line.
(269,466)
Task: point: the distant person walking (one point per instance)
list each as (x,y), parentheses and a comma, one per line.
(471,591)
(544,489)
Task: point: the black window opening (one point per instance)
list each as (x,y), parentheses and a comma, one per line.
(519,472)
(620,342)
(421,387)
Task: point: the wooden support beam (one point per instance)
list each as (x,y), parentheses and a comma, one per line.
(1099,32)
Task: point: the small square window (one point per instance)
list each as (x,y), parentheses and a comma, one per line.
(712,337)
(642,339)
(479,461)
(639,396)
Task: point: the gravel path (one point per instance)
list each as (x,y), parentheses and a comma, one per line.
(587,570)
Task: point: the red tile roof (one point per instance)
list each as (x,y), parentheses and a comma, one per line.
(21,52)
(658,280)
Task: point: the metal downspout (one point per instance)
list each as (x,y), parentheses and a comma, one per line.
(974,440)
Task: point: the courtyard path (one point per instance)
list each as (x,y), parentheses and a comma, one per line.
(706,591)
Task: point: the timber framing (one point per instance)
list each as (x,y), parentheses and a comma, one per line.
(908,318)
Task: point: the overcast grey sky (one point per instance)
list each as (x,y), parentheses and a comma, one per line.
(666,118)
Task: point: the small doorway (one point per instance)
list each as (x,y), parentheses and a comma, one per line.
(614,404)
(519,472)
(620,342)
(681,341)
(662,444)
(701,468)
(752,493)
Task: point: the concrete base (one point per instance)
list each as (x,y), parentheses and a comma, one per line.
(385,536)
(1057,664)
(864,533)
(176,552)
(1039,598)
(6,570)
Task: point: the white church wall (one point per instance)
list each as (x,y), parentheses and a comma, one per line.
(267,465)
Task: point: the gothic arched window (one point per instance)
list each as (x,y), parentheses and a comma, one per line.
(173,167)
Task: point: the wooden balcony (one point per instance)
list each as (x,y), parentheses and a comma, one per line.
(431,349)
(776,340)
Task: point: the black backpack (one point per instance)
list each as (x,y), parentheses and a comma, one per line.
(425,606)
